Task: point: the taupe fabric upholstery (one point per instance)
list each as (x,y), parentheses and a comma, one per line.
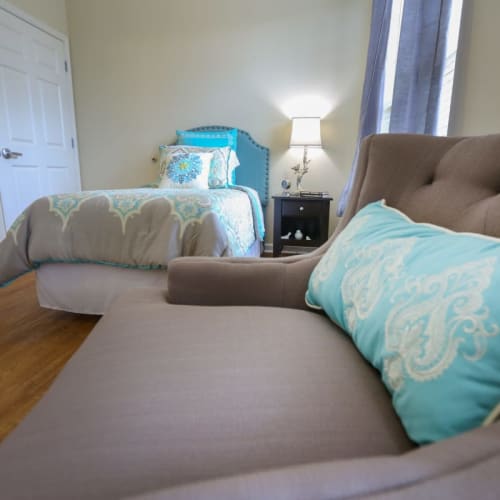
(266,282)
(448,181)
(162,395)
(249,402)
(462,468)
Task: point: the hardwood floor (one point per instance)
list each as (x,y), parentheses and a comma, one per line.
(35,344)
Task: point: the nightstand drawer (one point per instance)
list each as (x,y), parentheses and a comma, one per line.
(294,208)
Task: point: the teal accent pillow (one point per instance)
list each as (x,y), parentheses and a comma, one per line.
(209,138)
(422,305)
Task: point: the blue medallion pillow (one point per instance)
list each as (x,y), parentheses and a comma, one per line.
(422,304)
(184,169)
(224,161)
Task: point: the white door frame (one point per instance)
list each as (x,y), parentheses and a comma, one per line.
(23,16)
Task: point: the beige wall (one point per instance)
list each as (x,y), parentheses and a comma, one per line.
(51,12)
(143,68)
(476,104)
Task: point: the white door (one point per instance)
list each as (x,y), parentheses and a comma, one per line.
(36,117)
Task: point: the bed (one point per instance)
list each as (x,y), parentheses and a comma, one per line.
(90,246)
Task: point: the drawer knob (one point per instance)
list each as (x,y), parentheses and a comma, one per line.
(301,208)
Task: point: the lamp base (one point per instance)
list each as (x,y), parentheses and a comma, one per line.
(301,170)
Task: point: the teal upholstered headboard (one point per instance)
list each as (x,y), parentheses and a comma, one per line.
(254,162)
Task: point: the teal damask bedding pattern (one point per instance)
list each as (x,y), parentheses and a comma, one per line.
(136,228)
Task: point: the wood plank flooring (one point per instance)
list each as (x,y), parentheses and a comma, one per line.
(35,344)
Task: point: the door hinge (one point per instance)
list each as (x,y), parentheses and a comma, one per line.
(66,66)
(73,142)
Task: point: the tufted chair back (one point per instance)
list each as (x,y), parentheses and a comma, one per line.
(448,181)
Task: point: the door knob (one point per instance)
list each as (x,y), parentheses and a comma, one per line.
(8,154)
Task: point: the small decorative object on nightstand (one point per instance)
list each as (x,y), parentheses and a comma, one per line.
(286,185)
(304,219)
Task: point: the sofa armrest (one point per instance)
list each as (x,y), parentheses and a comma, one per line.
(227,281)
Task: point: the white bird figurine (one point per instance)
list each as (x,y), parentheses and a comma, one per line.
(298,234)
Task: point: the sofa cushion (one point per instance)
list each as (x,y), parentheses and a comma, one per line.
(161,395)
(421,303)
(461,468)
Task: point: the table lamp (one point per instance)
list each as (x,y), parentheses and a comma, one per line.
(306,132)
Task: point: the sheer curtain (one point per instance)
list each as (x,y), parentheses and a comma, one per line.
(418,75)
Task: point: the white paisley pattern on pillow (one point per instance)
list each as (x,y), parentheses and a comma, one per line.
(330,260)
(370,269)
(421,329)
(420,302)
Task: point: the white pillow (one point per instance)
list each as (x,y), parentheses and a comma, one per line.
(232,163)
(224,161)
(184,170)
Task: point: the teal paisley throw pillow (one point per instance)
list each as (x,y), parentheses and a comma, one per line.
(421,304)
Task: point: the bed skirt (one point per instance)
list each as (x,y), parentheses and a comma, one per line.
(92,288)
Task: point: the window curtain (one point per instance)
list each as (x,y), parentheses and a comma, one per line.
(373,88)
(420,65)
(419,72)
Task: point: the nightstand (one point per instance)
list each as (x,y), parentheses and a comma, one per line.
(310,215)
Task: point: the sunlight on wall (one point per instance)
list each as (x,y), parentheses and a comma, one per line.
(307,105)
(141,73)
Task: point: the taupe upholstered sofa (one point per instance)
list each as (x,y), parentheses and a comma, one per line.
(234,390)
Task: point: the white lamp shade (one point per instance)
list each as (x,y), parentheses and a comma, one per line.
(306,132)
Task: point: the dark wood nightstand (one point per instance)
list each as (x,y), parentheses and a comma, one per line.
(309,215)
